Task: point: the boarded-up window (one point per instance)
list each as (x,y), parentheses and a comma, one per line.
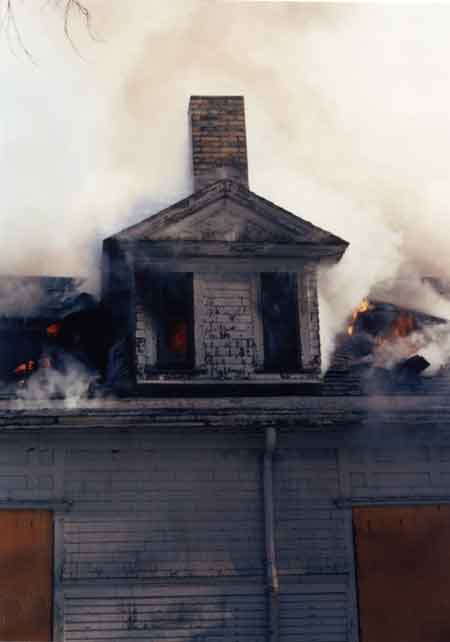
(280,321)
(26,555)
(403,573)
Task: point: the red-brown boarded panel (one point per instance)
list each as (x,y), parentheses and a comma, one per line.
(26,543)
(403,573)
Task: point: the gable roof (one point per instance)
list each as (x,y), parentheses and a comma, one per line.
(247,218)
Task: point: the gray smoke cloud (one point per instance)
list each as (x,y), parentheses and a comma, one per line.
(348,110)
(68,388)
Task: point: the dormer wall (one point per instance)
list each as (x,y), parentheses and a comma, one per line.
(228,346)
(229,333)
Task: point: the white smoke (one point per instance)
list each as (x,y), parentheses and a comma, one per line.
(436,348)
(18,298)
(70,385)
(348,114)
(432,343)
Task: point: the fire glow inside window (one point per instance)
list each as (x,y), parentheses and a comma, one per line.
(280,321)
(175,344)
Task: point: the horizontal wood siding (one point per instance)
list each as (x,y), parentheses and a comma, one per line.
(310,529)
(409,470)
(314,613)
(178,616)
(165,507)
(225,311)
(165,528)
(150,512)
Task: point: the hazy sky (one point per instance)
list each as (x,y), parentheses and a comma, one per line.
(348,116)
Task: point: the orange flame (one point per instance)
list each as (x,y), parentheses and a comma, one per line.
(363,307)
(401,327)
(24,368)
(399,342)
(53,329)
(178,337)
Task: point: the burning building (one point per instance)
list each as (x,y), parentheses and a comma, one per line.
(210,483)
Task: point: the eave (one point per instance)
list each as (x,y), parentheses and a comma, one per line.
(340,415)
(304,234)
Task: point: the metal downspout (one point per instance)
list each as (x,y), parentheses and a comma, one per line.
(272,585)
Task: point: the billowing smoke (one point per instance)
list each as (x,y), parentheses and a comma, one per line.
(71,384)
(348,110)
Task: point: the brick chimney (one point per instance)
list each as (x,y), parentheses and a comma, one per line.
(219,145)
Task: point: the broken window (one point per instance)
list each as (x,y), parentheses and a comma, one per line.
(280,321)
(173,295)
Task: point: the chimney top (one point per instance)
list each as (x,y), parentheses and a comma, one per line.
(219,144)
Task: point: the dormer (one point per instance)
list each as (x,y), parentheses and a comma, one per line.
(220,287)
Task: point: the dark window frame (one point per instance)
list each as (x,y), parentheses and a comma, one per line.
(165,360)
(153,287)
(288,358)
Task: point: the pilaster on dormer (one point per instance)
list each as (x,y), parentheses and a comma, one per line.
(219,142)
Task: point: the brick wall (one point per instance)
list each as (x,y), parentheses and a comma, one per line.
(219,148)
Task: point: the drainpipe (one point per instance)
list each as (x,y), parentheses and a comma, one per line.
(272,585)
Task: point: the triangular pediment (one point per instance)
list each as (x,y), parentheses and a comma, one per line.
(226,221)
(228,212)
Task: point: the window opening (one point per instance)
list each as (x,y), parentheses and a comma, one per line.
(175,346)
(280,321)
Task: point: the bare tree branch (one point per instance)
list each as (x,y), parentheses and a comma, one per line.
(71,6)
(9,26)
